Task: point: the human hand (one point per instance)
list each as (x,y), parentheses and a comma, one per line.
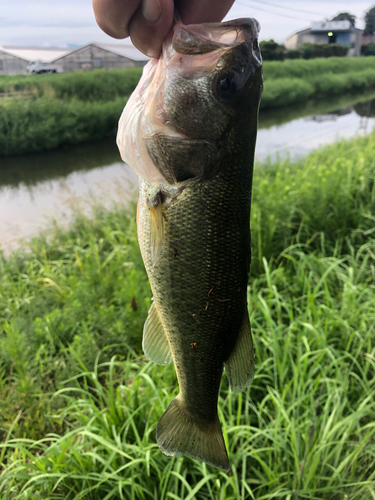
(148,22)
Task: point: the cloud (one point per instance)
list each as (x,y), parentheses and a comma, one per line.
(38,22)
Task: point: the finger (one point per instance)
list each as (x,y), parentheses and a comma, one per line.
(200,11)
(113,16)
(150,25)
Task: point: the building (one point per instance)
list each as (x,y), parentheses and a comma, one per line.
(14,60)
(340,32)
(368,39)
(101,55)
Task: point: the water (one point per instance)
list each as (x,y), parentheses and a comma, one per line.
(34,189)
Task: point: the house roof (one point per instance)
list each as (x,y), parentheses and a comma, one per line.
(298,32)
(125,50)
(331,26)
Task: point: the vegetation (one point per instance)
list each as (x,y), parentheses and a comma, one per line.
(97,85)
(41,112)
(369,49)
(345,16)
(273,51)
(288,91)
(42,124)
(79,403)
(316,67)
(370,22)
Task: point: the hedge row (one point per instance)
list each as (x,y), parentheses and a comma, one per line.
(289,91)
(42,124)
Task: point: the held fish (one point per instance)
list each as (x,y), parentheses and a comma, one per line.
(189,132)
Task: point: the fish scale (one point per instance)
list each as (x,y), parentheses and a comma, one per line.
(197,131)
(205,228)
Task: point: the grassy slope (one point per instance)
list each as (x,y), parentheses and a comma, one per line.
(58,110)
(305,429)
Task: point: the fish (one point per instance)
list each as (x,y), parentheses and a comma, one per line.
(189,132)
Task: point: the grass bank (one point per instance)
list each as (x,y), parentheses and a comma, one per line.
(79,403)
(41,112)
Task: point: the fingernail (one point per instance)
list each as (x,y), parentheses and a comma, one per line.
(151,10)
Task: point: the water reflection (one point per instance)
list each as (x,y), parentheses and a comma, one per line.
(302,134)
(36,187)
(365,109)
(34,168)
(270,118)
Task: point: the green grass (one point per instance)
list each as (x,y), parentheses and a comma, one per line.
(79,403)
(305,69)
(97,85)
(289,91)
(44,124)
(42,112)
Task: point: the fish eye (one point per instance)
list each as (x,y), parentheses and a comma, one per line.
(226,86)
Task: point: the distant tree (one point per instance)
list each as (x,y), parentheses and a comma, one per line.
(368,50)
(370,22)
(345,16)
(272,51)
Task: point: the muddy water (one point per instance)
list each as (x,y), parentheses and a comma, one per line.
(35,189)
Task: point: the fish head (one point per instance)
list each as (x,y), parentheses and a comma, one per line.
(194,104)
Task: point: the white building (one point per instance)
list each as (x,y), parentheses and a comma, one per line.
(101,55)
(14,60)
(340,32)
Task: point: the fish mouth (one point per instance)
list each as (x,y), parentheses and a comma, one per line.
(200,39)
(175,113)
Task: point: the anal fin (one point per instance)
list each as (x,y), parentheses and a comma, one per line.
(239,367)
(155,343)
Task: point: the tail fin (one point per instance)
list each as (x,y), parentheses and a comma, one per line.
(179,434)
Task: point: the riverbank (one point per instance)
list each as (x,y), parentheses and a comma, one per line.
(42,112)
(304,429)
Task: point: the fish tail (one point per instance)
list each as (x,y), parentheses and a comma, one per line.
(179,434)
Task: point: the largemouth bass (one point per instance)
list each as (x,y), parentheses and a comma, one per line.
(189,132)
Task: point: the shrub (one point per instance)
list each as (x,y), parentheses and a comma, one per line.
(41,124)
(313,50)
(293,54)
(272,51)
(369,49)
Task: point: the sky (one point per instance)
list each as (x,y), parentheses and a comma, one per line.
(71,23)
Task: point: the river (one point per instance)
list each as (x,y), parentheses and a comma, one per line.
(36,189)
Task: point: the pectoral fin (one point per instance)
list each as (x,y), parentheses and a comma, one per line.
(155,343)
(239,367)
(156,231)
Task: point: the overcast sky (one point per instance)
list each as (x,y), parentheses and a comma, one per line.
(71,22)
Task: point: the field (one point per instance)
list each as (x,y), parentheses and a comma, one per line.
(79,403)
(41,112)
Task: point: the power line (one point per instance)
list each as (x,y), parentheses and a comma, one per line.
(269,12)
(287,8)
